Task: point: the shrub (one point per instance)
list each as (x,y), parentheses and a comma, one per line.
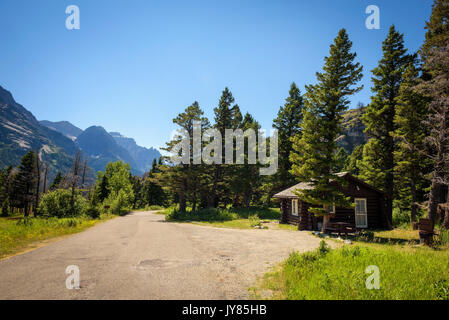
(26,222)
(254,220)
(154,207)
(5,208)
(441,288)
(444,237)
(93,212)
(120,203)
(58,204)
(210,214)
(324,247)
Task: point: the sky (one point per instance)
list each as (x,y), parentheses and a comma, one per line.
(134,65)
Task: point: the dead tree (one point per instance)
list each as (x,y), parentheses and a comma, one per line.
(83,177)
(38,184)
(74,180)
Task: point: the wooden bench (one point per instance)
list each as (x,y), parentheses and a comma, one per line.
(426,231)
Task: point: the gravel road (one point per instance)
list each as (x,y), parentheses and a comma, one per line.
(140,256)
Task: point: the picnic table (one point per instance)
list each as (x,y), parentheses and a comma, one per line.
(340,227)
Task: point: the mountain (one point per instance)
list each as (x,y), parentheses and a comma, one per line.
(64,127)
(21,132)
(102,148)
(352,134)
(142,156)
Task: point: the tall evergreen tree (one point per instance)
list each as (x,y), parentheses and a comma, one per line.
(25,182)
(410,161)
(314,152)
(227,116)
(355,156)
(245,178)
(183,178)
(288,124)
(57,181)
(435,57)
(437,35)
(102,189)
(378,165)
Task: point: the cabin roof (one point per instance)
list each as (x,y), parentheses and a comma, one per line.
(290,192)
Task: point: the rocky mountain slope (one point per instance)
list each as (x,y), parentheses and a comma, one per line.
(21,132)
(143,157)
(352,134)
(64,127)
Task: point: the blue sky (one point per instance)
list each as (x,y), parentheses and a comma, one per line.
(134,65)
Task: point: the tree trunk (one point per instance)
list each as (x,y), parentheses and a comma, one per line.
(211,202)
(326,219)
(182,202)
(433,201)
(45,180)
(38,185)
(413,207)
(445,224)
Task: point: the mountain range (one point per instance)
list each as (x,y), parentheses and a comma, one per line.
(57,142)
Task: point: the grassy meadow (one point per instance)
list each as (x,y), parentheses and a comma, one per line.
(236,218)
(18,234)
(407,271)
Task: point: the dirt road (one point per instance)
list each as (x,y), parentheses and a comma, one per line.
(140,256)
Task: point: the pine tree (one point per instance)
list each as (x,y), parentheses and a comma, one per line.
(25,182)
(437,35)
(341,159)
(57,181)
(183,179)
(354,157)
(435,57)
(377,166)
(227,116)
(102,189)
(245,179)
(314,152)
(288,124)
(410,161)
(5,207)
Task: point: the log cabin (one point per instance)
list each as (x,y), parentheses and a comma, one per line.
(368,212)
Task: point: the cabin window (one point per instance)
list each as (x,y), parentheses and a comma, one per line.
(295,207)
(361,217)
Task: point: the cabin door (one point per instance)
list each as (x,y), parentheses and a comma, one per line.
(361,216)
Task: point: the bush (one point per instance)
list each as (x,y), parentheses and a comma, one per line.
(58,204)
(254,220)
(5,208)
(93,212)
(211,214)
(219,214)
(444,237)
(401,217)
(154,207)
(120,203)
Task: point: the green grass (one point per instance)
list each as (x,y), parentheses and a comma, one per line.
(236,218)
(18,234)
(406,272)
(215,214)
